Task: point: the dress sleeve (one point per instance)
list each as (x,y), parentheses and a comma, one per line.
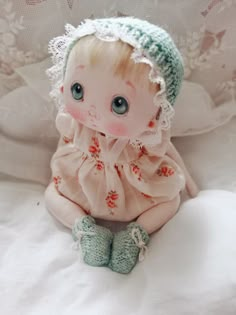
(161,148)
(65,124)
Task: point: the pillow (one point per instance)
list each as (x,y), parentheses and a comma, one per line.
(196,113)
(25,116)
(28,135)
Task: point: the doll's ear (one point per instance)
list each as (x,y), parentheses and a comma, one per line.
(62,89)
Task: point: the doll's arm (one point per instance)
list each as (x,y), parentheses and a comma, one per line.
(62,208)
(65,124)
(191,186)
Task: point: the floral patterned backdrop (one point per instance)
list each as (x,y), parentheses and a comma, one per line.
(204,31)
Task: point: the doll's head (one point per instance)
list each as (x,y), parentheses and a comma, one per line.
(105,90)
(119,76)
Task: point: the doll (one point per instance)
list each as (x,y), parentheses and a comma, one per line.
(115,81)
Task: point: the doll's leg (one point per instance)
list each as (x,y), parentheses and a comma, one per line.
(130,244)
(62,208)
(153,219)
(95,241)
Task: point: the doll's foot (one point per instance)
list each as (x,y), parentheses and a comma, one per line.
(94,240)
(128,246)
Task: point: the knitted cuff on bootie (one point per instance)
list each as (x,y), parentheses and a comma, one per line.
(94,241)
(128,246)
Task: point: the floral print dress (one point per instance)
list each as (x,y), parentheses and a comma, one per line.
(137,180)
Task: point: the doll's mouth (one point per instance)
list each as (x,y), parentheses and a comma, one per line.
(92,113)
(92,122)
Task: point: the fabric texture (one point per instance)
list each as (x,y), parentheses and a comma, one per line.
(126,248)
(94,241)
(137,181)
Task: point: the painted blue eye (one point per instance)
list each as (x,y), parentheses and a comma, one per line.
(119,105)
(77,91)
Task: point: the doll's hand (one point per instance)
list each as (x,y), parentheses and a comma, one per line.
(191,186)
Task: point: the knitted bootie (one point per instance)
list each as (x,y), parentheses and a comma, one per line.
(94,241)
(128,246)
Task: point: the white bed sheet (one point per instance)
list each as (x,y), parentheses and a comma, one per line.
(189,268)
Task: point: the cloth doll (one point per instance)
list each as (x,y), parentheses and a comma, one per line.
(115,81)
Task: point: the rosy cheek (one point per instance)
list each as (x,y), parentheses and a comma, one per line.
(76,113)
(117,129)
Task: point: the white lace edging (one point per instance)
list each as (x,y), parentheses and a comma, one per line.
(60,45)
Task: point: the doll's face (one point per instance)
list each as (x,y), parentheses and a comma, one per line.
(103,101)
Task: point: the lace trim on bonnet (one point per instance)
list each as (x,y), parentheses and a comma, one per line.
(59,47)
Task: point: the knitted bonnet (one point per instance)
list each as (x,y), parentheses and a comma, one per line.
(152,45)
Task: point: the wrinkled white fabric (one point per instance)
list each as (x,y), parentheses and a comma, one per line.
(189,267)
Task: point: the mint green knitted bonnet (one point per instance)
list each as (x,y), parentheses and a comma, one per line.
(151,45)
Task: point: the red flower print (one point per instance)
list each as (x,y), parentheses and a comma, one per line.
(111,204)
(142,152)
(151,124)
(114,196)
(165,171)
(99,165)
(94,149)
(67,140)
(171,171)
(57,181)
(110,199)
(136,170)
(95,141)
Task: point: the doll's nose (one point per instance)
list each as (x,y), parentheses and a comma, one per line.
(93,112)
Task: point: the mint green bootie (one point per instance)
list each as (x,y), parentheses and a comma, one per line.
(94,240)
(128,246)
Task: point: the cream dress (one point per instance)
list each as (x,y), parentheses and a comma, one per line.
(116,187)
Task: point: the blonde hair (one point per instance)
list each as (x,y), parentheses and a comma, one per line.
(95,48)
